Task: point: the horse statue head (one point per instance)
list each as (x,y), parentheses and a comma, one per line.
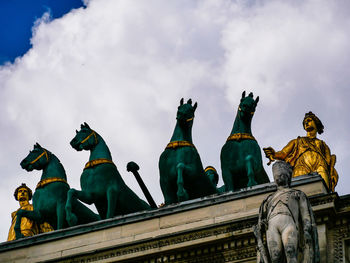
(85,139)
(185,113)
(37,159)
(247,106)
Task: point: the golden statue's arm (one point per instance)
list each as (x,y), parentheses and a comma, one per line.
(272,155)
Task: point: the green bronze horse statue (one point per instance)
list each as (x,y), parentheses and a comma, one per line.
(181,171)
(241,161)
(50,195)
(100,181)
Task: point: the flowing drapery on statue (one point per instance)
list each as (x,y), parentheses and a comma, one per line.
(101,183)
(241,161)
(287,220)
(23,194)
(50,195)
(308,154)
(181,171)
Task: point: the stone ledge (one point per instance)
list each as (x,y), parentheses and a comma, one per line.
(232,210)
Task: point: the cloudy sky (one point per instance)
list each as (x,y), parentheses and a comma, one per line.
(123,66)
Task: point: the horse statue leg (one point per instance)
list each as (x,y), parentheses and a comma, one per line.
(228,180)
(168,192)
(61,215)
(112,197)
(249,161)
(182,194)
(76,212)
(32,215)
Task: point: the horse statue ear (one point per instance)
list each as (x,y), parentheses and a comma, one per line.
(86,125)
(195,107)
(243,95)
(189,102)
(251,95)
(37,145)
(256,100)
(182,101)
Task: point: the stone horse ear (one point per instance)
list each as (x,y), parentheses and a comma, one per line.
(256,100)
(182,101)
(243,94)
(37,146)
(195,107)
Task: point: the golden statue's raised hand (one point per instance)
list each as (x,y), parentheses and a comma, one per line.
(270,154)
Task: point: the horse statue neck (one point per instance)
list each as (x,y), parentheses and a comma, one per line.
(54,168)
(182,133)
(241,126)
(100,150)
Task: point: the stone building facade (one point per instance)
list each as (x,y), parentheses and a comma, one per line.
(213,229)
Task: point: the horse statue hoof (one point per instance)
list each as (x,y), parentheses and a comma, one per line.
(251,183)
(18,234)
(72,220)
(182,195)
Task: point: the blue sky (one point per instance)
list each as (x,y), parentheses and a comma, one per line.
(17,18)
(122,66)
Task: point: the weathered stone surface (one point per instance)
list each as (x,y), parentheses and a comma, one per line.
(287,221)
(221,231)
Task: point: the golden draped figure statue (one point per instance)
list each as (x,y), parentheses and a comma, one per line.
(308,154)
(23,194)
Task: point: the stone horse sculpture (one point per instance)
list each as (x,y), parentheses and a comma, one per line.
(100,181)
(181,171)
(50,195)
(241,161)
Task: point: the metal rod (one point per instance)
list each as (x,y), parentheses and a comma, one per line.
(133,167)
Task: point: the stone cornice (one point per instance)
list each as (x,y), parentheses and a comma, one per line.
(167,210)
(219,221)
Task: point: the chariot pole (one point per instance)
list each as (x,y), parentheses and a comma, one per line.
(133,167)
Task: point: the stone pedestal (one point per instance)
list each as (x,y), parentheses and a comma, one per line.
(216,228)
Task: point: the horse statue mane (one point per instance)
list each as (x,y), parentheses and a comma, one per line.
(241,161)
(101,182)
(181,171)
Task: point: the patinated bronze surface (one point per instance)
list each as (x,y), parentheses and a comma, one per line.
(101,183)
(213,175)
(181,171)
(287,219)
(308,154)
(50,195)
(241,161)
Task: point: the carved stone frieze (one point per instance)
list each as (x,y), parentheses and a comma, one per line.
(226,247)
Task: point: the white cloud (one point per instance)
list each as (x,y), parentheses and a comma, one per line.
(123,66)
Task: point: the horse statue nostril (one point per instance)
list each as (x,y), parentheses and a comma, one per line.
(73,142)
(23,163)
